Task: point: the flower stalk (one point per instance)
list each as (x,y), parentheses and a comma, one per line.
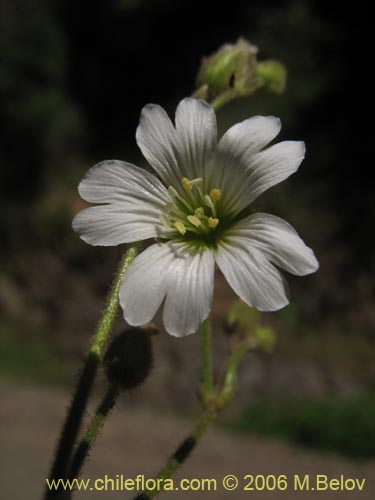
(183,451)
(207,383)
(97,421)
(111,309)
(80,398)
(219,397)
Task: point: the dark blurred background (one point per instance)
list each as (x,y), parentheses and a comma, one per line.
(73,79)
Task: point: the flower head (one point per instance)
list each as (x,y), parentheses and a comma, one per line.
(196,207)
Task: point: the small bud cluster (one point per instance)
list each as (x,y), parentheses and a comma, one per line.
(233,71)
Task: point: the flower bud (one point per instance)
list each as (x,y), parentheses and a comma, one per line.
(233,71)
(272,75)
(265,338)
(128,360)
(232,67)
(241,318)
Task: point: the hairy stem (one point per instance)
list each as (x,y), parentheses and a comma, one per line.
(206,359)
(219,397)
(110,311)
(182,453)
(86,443)
(78,404)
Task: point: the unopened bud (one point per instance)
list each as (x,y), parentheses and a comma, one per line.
(272,75)
(265,338)
(241,317)
(128,360)
(231,67)
(233,71)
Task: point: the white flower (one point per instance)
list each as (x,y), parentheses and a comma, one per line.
(196,206)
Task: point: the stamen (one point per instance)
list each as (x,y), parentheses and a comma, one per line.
(212,223)
(208,201)
(193,219)
(177,212)
(198,188)
(173,192)
(180,227)
(215,194)
(164,220)
(169,207)
(188,184)
(197,180)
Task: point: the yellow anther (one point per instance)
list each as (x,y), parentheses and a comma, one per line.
(193,219)
(164,220)
(172,191)
(186,184)
(199,212)
(215,194)
(180,227)
(212,223)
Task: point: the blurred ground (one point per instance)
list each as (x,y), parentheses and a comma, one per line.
(136,441)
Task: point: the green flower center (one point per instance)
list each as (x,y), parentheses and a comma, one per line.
(195,213)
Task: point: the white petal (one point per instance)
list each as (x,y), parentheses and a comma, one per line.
(190,289)
(110,225)
(196,134)
(250,136)
(136,199)
(115,181)
(278,240)
(255,280)
(241,142)
(156,137)
(182,274)
(178,152)
(244,170)
(273,165)
(143,287)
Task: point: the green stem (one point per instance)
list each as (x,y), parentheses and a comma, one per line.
(110,311)
(223,99)
(207,359)
(235,359)
(229,381)
(77,407)
(182,452)
(222,396)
